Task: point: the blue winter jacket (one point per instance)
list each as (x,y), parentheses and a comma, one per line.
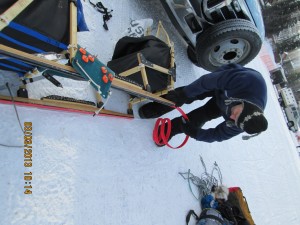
(232,83)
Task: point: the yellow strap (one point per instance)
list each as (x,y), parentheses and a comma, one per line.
(12,12)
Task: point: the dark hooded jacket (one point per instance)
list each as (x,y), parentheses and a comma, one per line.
(231,84)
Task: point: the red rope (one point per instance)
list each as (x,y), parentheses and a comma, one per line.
(160,137)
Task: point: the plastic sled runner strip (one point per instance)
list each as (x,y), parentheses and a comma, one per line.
(56,105)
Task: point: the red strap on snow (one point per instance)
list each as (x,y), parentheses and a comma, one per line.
(159,135)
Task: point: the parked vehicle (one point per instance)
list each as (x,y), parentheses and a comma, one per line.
(287,97)
(218,32)
(288,102)
(278,77)
(292,114)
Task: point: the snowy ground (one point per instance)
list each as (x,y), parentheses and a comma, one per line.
(107,171)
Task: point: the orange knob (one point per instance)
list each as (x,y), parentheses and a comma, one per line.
(91,58)
(105,78)
(85,58)
(83,51)
(110,77)
(103,69)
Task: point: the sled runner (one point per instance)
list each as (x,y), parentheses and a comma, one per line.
(25,36)
(60,105)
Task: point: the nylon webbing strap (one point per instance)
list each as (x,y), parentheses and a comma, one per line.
(13,12)
(188,217)
(2,35)
(161,133)
(15,61)
(37,35)
(9,67)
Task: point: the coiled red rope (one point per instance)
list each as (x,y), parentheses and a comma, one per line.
(160,137)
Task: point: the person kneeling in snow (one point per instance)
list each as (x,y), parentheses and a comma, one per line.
(237,93)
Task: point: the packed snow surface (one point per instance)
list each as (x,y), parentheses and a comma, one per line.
(107,171)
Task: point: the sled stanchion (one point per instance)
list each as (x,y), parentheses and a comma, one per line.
(73,30)
(161,135)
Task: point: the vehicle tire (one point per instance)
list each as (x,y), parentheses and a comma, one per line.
(230,41)
(192,55)
(290,124)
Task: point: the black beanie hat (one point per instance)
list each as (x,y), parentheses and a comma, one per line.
(252,119)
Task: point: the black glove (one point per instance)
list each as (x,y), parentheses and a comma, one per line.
(189,128)
(177,96)
(155,109)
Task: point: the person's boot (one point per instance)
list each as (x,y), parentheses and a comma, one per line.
(153,110)
(175,129)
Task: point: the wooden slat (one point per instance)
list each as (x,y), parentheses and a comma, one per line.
(130,71)
(13,12)
(143,71)
(159,68)
(73,30)
(138,100)
(32,59)
(133,89)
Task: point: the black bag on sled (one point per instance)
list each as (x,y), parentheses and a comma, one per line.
(154,50)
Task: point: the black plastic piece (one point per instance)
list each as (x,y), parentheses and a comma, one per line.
(52,79)
(130,111)
(22,92)
(99,104)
